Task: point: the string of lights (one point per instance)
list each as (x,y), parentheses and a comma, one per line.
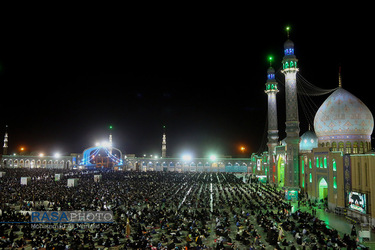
(87,159)
(304,87)
(111,156)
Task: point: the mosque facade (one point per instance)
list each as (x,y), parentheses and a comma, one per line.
(334,165)
(341,169)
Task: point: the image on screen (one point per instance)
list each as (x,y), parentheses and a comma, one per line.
(357,201)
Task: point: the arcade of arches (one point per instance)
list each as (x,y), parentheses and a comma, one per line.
(19,161)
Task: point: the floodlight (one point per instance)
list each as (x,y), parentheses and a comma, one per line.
(213,157)
(187,157)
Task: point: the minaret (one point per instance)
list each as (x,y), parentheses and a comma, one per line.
(110,138)
(5,147)
(292,122)
(273,132)
(164,145)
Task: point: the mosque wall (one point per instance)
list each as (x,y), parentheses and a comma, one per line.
(361,172)
(363,179)
(323,176)
(333,175)
(337,197)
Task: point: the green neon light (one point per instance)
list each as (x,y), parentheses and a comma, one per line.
(325,162)
(334,167)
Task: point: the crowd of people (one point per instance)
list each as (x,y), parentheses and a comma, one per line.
(157,210)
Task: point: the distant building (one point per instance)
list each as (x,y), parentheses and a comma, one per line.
(30,161)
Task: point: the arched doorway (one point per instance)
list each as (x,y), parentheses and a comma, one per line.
(281,171)
(323,189)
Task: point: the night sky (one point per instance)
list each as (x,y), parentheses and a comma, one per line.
(201,74)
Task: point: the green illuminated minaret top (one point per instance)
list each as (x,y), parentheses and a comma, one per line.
(110,138)
(271,84)
(289,60)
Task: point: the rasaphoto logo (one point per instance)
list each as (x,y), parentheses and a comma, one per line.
(72,217)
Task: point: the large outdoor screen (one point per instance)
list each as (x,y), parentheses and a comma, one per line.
(357,201)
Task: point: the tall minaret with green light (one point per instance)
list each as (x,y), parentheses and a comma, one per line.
(273,132)
(110,138)
(5,147)
(291,182)
(164,144)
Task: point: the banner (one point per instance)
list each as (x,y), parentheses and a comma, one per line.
(347,177)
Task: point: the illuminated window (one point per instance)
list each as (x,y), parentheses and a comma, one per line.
(303,166)
(361,147)
(334,168)
(325,162)
(310,165)
(334,182)
(289,51)
(317,162)
(348,147)
(341,146)
(355,147)
(310,176)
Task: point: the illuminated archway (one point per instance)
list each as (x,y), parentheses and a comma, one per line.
(281,171)
(93,156)
(323,189)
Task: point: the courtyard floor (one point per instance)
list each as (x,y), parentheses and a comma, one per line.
(338,222)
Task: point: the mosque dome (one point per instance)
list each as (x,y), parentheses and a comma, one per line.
(308,141)
(288,44)
(270,70)
(344,122)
